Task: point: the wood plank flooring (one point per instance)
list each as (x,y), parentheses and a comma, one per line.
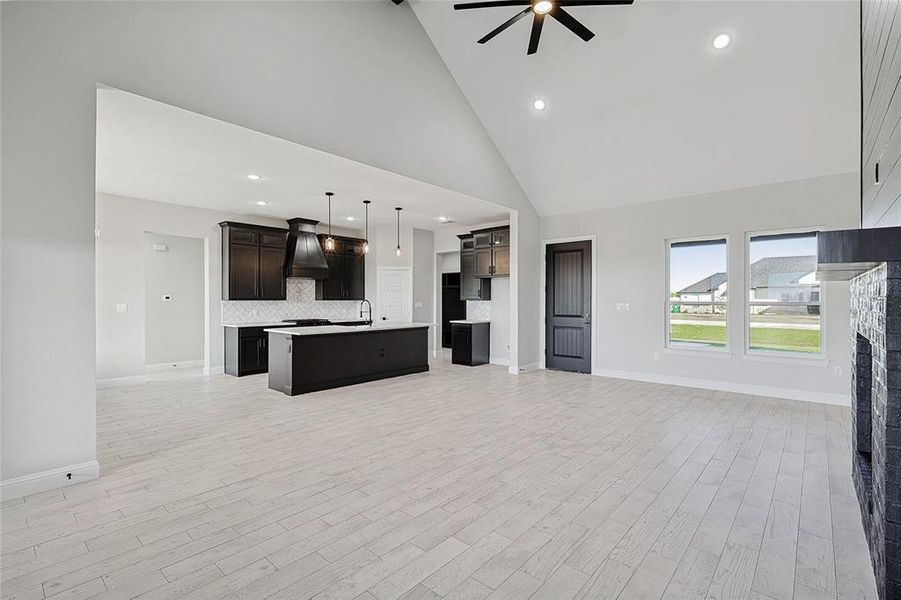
(462,483)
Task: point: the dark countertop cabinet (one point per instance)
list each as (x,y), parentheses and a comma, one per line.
(347,270)
(247,350)
(253,262)
(471,343)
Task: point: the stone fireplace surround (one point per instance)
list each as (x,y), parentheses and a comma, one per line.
(871,260)
(876,417)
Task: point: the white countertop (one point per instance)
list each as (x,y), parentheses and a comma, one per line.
(261,324)
(329,329)
(470,321)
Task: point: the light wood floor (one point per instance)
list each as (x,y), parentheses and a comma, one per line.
(463,483)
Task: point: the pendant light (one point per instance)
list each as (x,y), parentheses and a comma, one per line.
(329,242)
(366,204)
(397,249)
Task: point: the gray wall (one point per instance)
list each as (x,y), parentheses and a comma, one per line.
(262,65)
(174,328)
(631,265)
(881,70)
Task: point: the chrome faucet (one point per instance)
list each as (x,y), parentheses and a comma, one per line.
(368,320)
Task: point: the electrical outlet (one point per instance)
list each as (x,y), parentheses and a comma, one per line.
(623,306)
(837,371)
(167,298)
(656,355)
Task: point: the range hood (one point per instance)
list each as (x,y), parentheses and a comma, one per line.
(305,256)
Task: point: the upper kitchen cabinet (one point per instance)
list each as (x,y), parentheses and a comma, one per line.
(472,286)
(347,273)
(491,249)
(253,262)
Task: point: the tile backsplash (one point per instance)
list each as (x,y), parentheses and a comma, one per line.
(300,303)
(478,310)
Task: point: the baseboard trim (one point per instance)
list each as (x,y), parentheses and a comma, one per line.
(516,370)
(26,485)
(725,386)
(117,381)
(172,366)
(207,371)
(499,360)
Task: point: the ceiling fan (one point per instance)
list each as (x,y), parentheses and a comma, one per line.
(539,9)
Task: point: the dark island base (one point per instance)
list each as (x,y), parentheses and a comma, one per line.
(310,363)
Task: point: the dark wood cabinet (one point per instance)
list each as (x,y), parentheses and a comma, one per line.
(347,270)
(308,363)
(253,262)
(470,343)
(492,252)
(482,262)
(247,350)
(472,287)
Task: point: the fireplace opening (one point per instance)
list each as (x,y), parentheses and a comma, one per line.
(863,389)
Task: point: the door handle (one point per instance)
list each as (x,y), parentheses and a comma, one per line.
(587,320)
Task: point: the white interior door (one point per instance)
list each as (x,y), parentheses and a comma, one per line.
(395,294)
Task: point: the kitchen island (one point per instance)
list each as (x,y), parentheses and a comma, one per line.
(308,359)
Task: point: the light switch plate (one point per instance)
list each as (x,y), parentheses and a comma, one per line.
(121,308)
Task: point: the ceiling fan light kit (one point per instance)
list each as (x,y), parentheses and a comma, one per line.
(539,9)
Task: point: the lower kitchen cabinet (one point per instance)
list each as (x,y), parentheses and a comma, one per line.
(470,342)
(246,350)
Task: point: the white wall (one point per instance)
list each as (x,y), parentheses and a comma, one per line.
(239,62)
(424,280)
(120,275)
(174,328)
(631,268)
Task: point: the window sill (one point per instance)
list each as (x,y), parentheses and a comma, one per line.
(817,360)
(698,352)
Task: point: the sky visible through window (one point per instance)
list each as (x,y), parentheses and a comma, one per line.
(689,264)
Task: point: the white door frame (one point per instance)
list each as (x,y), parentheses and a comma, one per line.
(542,301)
(408,298)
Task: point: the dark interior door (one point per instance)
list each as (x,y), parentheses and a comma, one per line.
(568,307)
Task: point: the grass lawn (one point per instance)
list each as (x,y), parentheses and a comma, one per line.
(762,338)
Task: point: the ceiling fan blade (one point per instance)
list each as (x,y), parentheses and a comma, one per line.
(492,4)
(593,2)
(537,22)
(505,24)
(571,23)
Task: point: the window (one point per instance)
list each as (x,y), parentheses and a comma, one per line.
(696,302)
(783,297)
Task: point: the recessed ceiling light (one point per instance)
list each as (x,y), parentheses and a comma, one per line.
(254,177)
(351,219)
(262,203)
(542,7)
(539,104)
(721,41)
(442,219)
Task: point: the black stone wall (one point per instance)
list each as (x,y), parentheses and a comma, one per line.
(876,417)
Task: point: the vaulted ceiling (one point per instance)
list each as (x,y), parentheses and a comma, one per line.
(648,109)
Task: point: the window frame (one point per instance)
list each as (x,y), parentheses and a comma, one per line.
(688,347)
(747,303)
